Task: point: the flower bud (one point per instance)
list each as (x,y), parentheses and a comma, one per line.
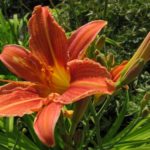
(68,113)
(110,60)
(24,130)
(145,100)
(145,112)
(143,52)
(96,52)
(101,59)
(100,42)
(116,71)
(133,72)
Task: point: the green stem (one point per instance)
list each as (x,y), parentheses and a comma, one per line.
(78,114)
(116,125)
(85,131)
(9,124)
(98,136)
(97,126)
(104,106)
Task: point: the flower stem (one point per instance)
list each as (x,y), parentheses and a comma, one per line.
(103,108)
(116,125)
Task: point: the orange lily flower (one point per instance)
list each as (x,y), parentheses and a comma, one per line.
(54,72)
(116,71)
(142,54)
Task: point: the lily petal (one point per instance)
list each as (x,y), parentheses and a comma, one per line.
(45,122)
(18,100)
(48,41)
(116,71)
(86,87)
(87,78)
(80,69)
(10,87)
(83,37)
(20,61)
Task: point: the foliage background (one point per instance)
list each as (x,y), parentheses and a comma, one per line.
(128,24)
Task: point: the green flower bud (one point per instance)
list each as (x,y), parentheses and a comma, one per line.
(101,59)
(145,100)
(132,73)
(145,112)
(100,42)
(110,60)
(143,52)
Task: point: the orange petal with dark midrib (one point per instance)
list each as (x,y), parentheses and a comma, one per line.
(116,71)
(87,78)
(21,62)
(45,122)
(82,38)
(86,87)
(80,69)
(18,100)
(47,39)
